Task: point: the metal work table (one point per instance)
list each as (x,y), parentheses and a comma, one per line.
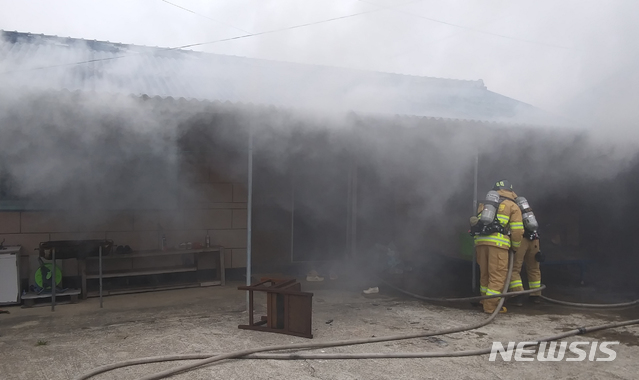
(197,254)
(70,249)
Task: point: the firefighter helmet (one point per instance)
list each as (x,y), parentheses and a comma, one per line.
(504,184)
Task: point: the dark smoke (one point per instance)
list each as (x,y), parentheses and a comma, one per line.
(79,151)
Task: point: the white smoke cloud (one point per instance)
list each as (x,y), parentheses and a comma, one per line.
(430,166)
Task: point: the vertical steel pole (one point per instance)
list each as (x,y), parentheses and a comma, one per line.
(53,280)
(354,211)
(349,208)
(249,216)
(474,263)
(476,179)
(292,214)
(100,270)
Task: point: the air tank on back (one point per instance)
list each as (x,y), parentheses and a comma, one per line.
(490,208)
(530,222)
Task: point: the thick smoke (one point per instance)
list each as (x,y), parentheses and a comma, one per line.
(76,151)
(89,150)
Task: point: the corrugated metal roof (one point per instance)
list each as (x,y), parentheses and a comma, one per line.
(51,62)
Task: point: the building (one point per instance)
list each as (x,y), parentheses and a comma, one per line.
(130,142)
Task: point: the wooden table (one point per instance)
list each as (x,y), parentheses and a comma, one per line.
(198,254)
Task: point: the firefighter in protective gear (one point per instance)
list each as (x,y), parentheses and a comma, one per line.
(529,253)
(492,249)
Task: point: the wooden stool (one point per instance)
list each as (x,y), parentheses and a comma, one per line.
(288,309)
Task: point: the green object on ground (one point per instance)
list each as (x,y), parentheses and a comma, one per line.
(467,244)
(38,275)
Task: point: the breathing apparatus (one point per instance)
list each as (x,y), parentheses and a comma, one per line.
(530,224)
(487,223)
(529,219)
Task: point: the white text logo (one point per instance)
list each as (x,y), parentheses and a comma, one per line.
(554,351)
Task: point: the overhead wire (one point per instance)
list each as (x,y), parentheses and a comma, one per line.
(459,32)
(214,41)
(475,29)
(296,26)
(205,16)
(248,35)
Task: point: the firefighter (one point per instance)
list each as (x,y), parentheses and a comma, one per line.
(497,229)
(529,253)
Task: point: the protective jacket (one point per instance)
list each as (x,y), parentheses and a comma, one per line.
(509,216)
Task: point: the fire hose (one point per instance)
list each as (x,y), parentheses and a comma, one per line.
(256,353)
(342,356)
(512,294)
(592,305)
(242,353)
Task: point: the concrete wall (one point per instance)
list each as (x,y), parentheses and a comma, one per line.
(211,204)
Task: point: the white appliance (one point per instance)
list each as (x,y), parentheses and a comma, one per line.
(10,275)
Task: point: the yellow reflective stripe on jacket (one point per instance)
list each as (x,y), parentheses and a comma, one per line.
(517,226)
(516,244)
(490,292)
(503,219)
(498,239)
(482,289)
(534,284)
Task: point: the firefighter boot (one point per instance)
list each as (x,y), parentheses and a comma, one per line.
(535,299)
(517,300)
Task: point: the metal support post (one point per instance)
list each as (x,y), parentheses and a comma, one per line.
(53,280)
(474,263)
(100,270)
(249,213)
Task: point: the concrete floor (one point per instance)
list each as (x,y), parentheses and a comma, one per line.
(77,338)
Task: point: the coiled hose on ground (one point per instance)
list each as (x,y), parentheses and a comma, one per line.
(204,359)
(389,355)
(242,353)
